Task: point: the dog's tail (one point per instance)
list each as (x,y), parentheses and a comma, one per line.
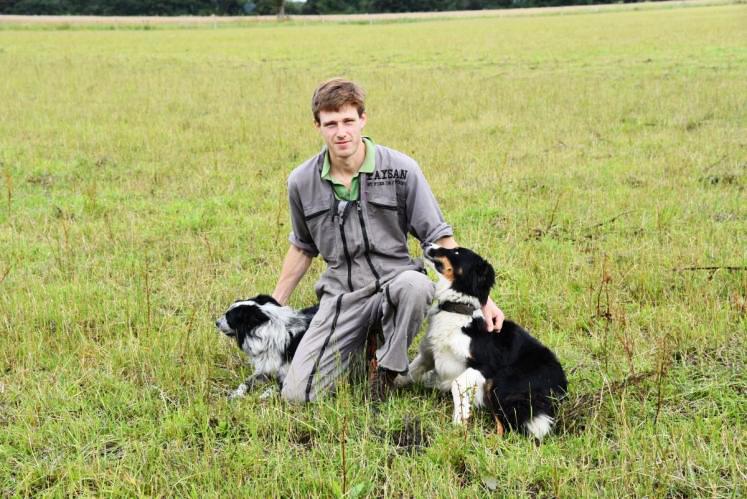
(539,425)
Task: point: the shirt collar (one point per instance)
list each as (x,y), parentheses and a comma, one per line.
(369,162)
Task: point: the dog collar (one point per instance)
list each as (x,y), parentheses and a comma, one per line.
(457,308)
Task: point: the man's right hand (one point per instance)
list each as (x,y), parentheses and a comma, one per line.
(493,316)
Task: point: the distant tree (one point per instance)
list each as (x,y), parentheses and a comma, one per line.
(270,8)
(122,7)
(30,7)
(294,8)
(332,7)
(265,7)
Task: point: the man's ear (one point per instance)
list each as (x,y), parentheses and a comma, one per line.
(364,119)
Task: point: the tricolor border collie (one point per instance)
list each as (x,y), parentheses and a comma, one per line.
(268,333)
(509,372)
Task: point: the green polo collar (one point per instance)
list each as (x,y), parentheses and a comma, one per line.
(368,166)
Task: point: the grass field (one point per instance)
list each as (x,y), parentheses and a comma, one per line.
(598,160)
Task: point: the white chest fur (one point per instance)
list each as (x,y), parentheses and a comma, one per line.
(445,350)
(449,346)
(265,348)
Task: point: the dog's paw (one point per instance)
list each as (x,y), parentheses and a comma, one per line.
(403,380)
(238,393)
(268,393)
(460,416)
(431,380)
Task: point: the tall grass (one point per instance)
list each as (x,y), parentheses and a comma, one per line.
(598,161)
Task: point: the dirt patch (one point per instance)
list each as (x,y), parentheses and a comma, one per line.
(411,437)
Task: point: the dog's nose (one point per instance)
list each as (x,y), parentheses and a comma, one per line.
(217,322)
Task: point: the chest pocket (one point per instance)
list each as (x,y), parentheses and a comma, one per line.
(322,228)
(386,217)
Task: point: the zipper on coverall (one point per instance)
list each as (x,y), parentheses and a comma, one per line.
(365,242)
(341,219)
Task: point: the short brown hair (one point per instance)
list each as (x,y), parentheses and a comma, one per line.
(334,94)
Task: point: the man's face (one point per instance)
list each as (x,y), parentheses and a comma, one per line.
(342,131)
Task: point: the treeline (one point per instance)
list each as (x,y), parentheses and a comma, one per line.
(376,6)
(262,7)
(122,7)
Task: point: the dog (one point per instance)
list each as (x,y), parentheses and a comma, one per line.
(268,333)
(510,372)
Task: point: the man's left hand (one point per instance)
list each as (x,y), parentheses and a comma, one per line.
(493,316)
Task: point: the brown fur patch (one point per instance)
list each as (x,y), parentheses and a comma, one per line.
(499,429)
(448,270)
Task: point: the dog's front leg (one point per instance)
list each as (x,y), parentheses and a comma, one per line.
(422,363)
(247,385)
(418,367)
(466,390)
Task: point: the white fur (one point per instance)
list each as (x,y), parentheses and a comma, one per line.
(467,390)
(442,360)
(267,344)
(269,340)
(539,426)
(239,392)
(445,349)
(262,348)
(269,393)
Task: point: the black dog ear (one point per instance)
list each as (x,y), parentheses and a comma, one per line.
(243,319)
(483,279)
(474,275)
(245,315)
(264,299)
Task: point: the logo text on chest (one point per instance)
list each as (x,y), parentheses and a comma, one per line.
(388,176)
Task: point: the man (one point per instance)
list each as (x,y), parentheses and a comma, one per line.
(354,203)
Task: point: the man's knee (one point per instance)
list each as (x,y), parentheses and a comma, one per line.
(293,391)
(416,288)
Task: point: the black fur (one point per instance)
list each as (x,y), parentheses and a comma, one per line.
(264,299)
(244,320)
(523,377)
(473,275)
(308,314)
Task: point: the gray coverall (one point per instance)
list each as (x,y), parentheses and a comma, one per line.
(370,274)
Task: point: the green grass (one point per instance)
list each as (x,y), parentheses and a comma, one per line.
(593,159)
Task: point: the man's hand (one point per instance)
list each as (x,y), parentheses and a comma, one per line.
(493,316)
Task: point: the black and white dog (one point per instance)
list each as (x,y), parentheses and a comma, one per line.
(268,333)
(510,372)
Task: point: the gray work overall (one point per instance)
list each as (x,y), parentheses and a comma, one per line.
(370,274)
